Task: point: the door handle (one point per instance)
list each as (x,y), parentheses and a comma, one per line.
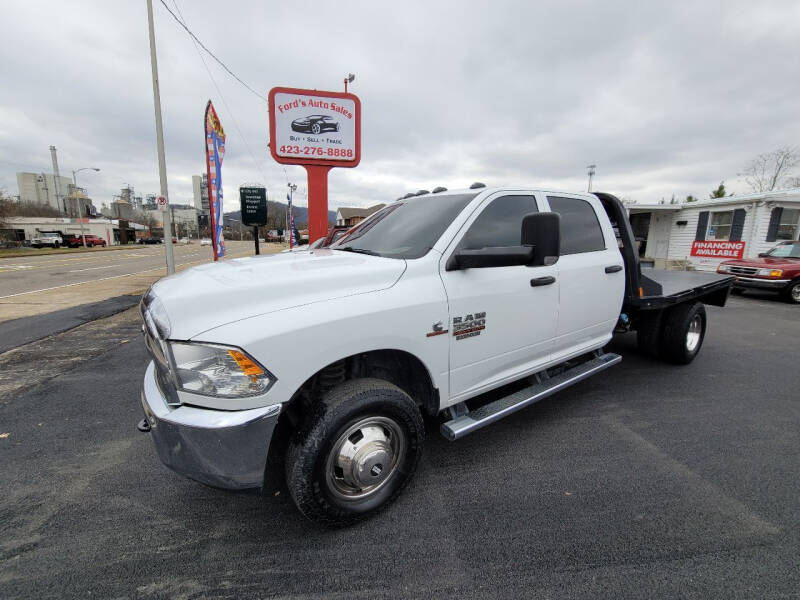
(537,281)
(614,269)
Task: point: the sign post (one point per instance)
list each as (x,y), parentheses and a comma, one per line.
(253,203)
(318,130)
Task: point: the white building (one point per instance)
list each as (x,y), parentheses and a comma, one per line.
(41,188)
(706,232)
(24,228)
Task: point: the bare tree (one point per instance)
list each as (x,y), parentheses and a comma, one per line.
(793,182)
(769,171)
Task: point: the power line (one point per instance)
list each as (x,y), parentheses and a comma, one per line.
(211,54)
(222,96)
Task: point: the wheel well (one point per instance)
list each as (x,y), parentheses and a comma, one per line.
(401,368)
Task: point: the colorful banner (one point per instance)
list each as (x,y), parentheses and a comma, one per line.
(215,152)
(292,230)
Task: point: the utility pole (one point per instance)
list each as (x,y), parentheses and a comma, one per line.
(162,166)
(591,174)
(56,182)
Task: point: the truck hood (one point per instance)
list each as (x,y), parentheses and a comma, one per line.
(210,295)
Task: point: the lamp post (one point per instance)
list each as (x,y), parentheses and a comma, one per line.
(591,174)
(349,79)
(75,191)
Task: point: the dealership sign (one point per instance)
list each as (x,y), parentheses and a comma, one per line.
(253,203)
(318,130)
(718,249)
(311,127)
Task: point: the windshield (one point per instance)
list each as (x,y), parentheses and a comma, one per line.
(785,251)
(406,229)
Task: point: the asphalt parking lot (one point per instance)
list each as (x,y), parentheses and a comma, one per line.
(648,481)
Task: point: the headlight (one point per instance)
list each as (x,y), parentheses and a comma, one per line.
(723,269)
(220,371)
(770,272)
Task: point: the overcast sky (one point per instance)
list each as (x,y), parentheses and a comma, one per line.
(665,98)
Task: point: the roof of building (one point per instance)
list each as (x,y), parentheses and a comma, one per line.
(790,195)
(349,213)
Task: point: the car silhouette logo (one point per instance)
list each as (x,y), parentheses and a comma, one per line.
(315,124)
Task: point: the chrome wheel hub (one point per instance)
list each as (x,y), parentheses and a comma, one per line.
(365,457)
(796,293)
(693,334)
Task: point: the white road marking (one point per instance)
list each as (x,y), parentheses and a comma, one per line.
(92,268)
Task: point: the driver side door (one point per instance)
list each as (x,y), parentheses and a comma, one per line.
(502,319)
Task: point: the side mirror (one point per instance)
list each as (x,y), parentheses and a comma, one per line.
(762,255)
(503,256)
(542,231)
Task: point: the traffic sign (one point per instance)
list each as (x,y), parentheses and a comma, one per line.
(162,202)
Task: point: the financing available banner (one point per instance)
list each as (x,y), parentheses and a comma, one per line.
(718,249)
(215,152)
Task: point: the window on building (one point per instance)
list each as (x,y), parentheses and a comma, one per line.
(500,223)
(719,225)
(580,229)
(790,222)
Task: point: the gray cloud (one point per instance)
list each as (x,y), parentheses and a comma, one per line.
(664,97)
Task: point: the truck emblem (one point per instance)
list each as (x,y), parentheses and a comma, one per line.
(469,325)
(438,329)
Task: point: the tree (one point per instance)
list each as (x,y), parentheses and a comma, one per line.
(770,171)
(719,192)
(5,208)
(691,198)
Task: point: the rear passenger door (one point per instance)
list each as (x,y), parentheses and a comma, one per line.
(590,273)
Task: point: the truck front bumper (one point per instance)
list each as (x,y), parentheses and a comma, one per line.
(761,284)
(226,449)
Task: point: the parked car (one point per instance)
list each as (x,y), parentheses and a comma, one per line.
(71,240)
(151,240)
(46,239)
(436,307)
(315,124)
(205,242)
(93,240)
(777,269)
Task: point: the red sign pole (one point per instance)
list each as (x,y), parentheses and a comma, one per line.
(317,201)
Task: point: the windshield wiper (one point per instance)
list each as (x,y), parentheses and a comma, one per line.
(357,250)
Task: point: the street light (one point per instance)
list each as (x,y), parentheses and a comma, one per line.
(75,184)
(591,174)
(349,79)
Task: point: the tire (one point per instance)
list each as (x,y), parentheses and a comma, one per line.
(683,334)
(316,129)
(359,409)
(56,245)
(791,293)
(90,244)
(648,334)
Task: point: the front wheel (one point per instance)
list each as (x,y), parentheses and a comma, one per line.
(357,451)
(792,292)
(683,333)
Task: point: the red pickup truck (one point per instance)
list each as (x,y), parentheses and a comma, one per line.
(778,270)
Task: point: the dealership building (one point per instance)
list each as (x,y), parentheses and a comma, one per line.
(702,234)
(22,229)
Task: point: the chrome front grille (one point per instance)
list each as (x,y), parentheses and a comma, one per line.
(743,270)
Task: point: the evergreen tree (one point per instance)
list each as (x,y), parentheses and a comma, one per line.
(719,192)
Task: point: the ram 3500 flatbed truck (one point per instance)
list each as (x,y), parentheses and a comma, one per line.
(463,305)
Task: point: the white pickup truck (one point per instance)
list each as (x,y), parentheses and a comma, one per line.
(465,306)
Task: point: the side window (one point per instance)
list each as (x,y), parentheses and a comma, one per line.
(500,223)
(580,229)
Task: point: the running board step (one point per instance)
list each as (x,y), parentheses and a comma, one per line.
(494,411)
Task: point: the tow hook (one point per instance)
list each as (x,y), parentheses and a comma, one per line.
(143,426)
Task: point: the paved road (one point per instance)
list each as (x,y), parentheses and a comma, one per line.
(649,481)
(24,275)
(35,285)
